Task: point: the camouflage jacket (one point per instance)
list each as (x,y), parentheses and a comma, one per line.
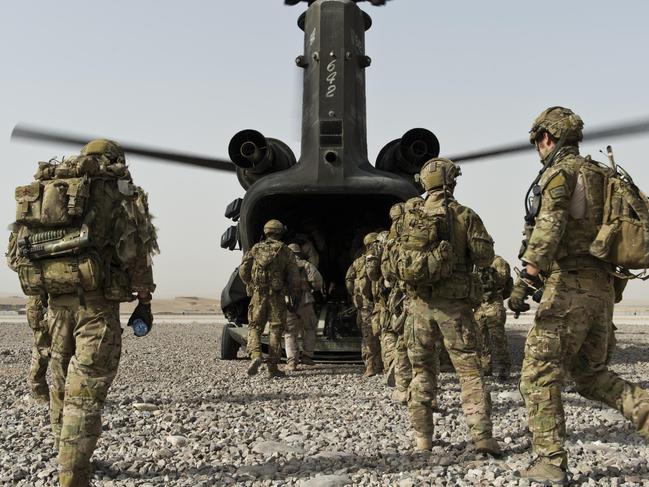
(472,245)
(373,259)
(358,283)
(310,280)
(495,280)
(564,226)
(270,267)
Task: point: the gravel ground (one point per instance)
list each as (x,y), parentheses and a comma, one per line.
(178,416)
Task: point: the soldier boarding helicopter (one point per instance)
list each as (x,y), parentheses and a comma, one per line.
(331,194)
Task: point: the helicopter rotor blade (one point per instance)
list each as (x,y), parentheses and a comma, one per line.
(45,135)
(619,130)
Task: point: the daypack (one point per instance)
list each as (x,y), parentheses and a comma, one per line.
(267,267)
(423,253)
(80,226)
(623,237)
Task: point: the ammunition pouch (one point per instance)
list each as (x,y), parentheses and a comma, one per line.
(52,203)
(63,275)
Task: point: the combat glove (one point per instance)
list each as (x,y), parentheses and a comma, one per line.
(518,297)
(526,285)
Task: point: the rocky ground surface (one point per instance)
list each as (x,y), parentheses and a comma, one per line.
(178,416)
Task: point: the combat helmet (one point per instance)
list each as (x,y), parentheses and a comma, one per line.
(104,147)
(275,228)
(558,122)
(295,248)
(370,238)
(431,175)
(397,211)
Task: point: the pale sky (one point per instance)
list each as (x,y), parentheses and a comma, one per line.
(188,75)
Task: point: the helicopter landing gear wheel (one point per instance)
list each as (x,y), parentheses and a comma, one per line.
(229,346)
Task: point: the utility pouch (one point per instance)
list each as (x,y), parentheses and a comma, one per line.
(52,203)
(60,276)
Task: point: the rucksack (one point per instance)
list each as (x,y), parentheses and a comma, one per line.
(423,253)
(266,270)
(80,226)
(623,236)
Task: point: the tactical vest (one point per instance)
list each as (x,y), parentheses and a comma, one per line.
(78,229)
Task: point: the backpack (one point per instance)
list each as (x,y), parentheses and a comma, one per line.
(79,228)
(623,236)
(423,253)
(266,272)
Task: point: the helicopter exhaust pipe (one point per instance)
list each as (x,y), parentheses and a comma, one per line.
(406,155)
(256,156)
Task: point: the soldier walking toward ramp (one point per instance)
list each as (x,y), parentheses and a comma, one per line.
(491,317)
(272,276)
(85,240)
(303,320)
(440,244)
(573,323)
(359,287)
(36,311)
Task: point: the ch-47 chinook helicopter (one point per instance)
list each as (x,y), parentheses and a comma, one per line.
(331,195)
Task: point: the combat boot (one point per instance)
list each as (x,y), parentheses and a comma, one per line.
(370,372)
(489,446)
(274,372)
(253,368)
(400,396)
(41,394)
(306,360)
(543,471)
(423,442)
(291,365)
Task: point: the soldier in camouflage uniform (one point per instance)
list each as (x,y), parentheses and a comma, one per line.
(303,321)
(36,318)
(83,310)
(443,306)
(491,317)
(359,288)
(573,322)
(41,340)
(272,276)
(380,319)
(397,305)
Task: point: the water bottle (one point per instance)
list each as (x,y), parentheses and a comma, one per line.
(140,328)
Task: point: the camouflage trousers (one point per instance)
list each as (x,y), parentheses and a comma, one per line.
(86,348)
(41,343)
(271,309)
(453,320)
(370,345)
(490,318)
(402,366)
(304,323)
(571,334)
(381,327)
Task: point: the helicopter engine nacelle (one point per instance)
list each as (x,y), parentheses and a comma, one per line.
(256,156)
(406,155)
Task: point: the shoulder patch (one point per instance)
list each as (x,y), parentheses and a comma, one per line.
(557,187)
